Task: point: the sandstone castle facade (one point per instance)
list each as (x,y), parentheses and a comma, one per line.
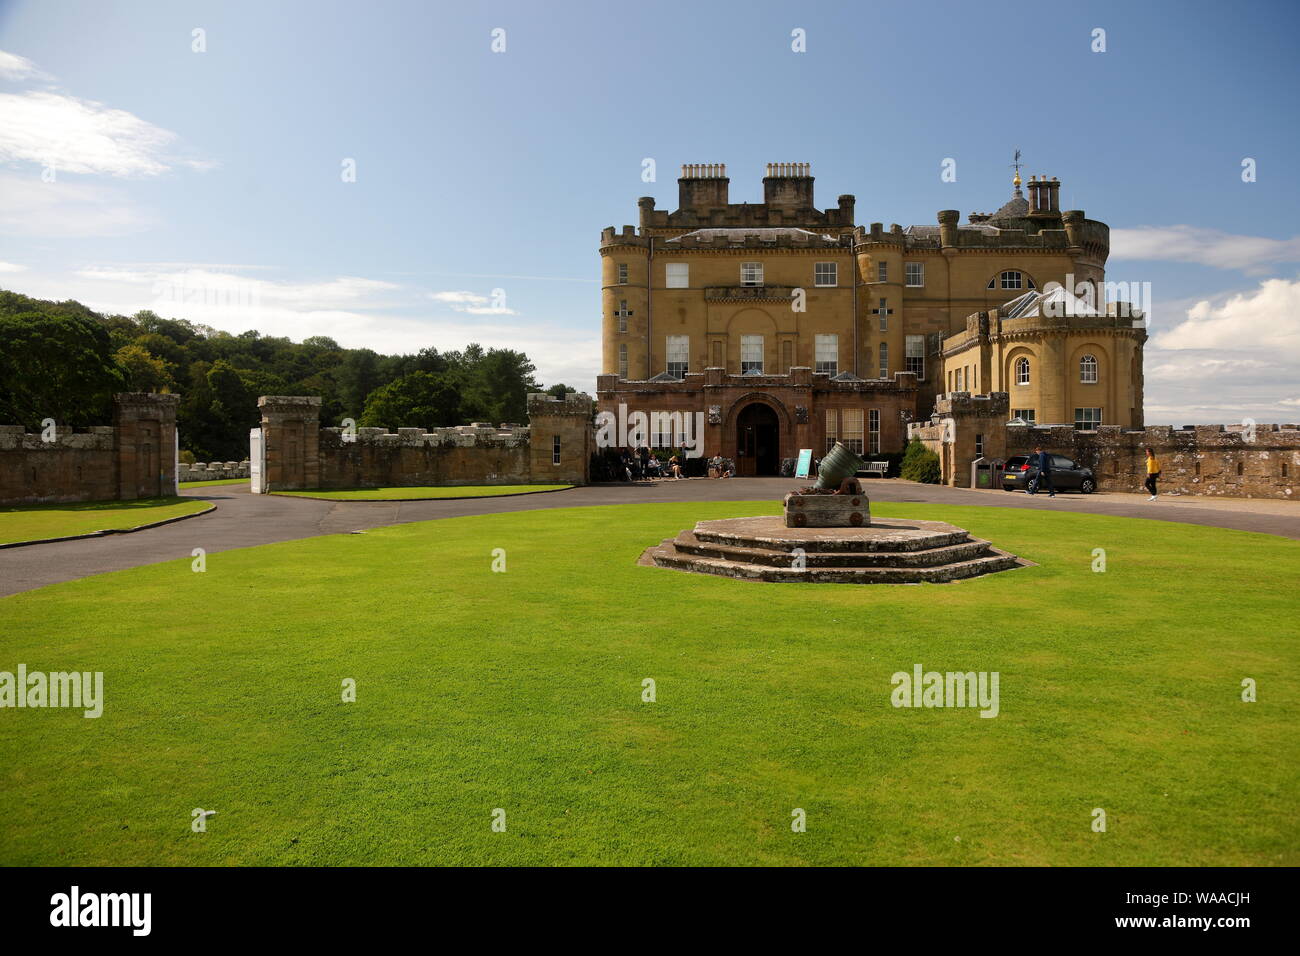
(794,327)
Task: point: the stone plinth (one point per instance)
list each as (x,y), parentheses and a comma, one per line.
(894,551)
(827,511)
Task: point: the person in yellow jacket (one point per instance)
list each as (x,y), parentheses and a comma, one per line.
(1153,472)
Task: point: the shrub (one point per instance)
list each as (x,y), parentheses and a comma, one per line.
(920,464)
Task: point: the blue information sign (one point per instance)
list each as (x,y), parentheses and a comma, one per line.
(805,463)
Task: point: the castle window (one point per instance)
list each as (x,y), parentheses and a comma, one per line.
(677,275)
(852,435)
(825,274)
(555,451)
(827,358)
(914,356)
(873,431)
(915,274)
(884,360)
(883,312)
(622,313)
(622,273)
(957,380)
(751,273)
(1022,371)
(1088,370)
(679,353)
(622,361)
(1008,280)
(1024,414)
(751,355)
(832,428)
(979,446)
(1087,419)
(882,271)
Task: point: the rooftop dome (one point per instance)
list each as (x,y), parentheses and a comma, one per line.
(1017,207)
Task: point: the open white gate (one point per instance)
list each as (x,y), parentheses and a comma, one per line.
(257,461)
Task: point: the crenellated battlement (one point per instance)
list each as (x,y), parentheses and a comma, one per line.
(132,458)
(96,437)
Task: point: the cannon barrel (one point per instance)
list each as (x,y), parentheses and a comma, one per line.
(839,463)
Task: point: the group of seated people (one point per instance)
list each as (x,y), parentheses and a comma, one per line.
(645,465)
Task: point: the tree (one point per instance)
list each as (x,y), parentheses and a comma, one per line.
(144,372)
(418,400)
(358,376)
(56,366)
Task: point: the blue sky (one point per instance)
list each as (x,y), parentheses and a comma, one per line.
(208,185)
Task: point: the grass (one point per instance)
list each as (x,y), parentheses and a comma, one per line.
(214,481)
(430,491)
(36,522)
(522,691)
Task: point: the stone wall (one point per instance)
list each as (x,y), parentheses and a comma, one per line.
(135,457)
(1232,460)
(1214,460)
(212,470)
(301,455)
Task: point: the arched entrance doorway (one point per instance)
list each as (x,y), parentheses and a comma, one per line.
(758,440)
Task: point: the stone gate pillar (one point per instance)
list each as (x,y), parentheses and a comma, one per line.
(291,431)
(145,444)
(560,437)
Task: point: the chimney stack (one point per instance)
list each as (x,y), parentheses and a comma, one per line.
(703,187)
(1044,196)
(788,186)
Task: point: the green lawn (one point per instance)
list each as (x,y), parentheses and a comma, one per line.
(35,522)
(439,491)
(479,690)
(214,481)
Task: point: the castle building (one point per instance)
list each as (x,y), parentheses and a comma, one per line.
(792,327)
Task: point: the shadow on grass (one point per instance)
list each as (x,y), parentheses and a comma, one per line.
(93,506)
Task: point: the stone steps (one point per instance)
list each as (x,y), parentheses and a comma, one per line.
(886,552)
(689,543)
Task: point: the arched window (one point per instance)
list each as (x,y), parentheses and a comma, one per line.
(1011,279)
(1022,371)
(1088,370)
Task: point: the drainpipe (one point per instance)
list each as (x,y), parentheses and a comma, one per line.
(853,264)
(649,309)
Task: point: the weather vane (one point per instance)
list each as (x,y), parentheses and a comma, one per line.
(1016,166)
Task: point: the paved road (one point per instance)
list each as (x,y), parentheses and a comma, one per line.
(243,520)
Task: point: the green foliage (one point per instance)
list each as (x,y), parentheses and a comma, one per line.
(56,365)
(143,371)
(62,360)
(418,400)
(920,464)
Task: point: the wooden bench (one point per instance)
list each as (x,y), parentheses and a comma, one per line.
(877,468)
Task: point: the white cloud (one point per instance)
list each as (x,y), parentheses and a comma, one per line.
(73,135)
(1210,247)
(79,136)
(472,303)
(10,267)
(1230,357)
(1266,320)
(15,67)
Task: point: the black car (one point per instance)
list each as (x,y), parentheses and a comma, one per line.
(1066,475)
